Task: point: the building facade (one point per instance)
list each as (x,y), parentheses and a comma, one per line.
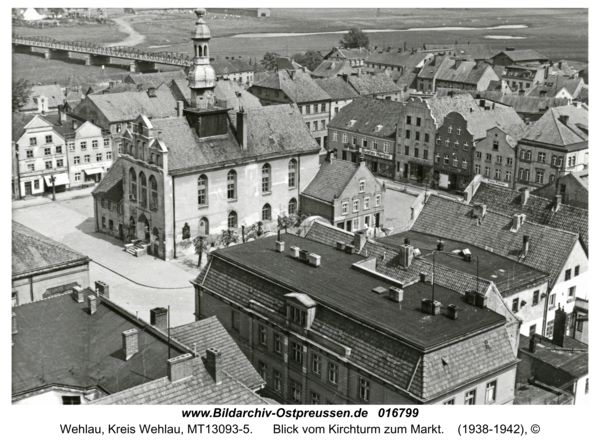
(495,158)
(453,153)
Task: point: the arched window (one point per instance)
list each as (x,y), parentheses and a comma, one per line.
(292,206)
(156,234)
(292,173)
(232,220)
(153,193)
(132,185)
(104,222)
(266,178)
(203,228)
(232,185)
(266,212)
(202,190)
(143,190)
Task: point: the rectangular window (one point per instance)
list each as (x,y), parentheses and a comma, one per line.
(98,156)
(344,208)
(478,154)
(332,373)
(315,399)
(354,140)
(449,402)
(106,142)
(355,224)
(552,300)
(95,143)
(499,159)
(30,153)
(447,142)
(315,125)
(567,274)
(495,145)
(86,158)
(83,145)
(47,151)
(418,122)
(277,343)
(576,271)
(59,149)
(364,389)
(455,161)
(426,137)
(262,370)
(277,381)
(48,165)
(344,138)
(365,143)
(488,157)
(416,152)
(509,161)
(541,157)
(407,150)
(377,200)
(407,135)
(386,147)
(71,400)
(470,397)
(508,176)
(367,203)
(31,167)
(374,145)
(323,125)
(536,297)
(408,120)
(308,126)
(477,169)
(297,352)
(323,109)
(32,141)
(549,329)
(572,291)
(36,184)
(296,391)
(60,163)
(515,305)
(262,335)
(235,321)
(108,155)
(355,205)
(316,364)
(335,136)
(425,154)
(539,177)
(77,177)
(71,146)
(490,392)
(498,174)
(446,159)
(417,136)
(487,171)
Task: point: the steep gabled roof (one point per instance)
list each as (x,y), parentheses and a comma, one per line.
(407,59)
(235,95)
(53,93)
(523,55)
(34,253)
(153,80)
(550,130)
(441,106)
(331,180)
(111,186)
(554,84)
(538,209)
(337,88)
(478,51)
(479,122)
(127,106)
(297,85)
(210,333)
(333,68)
(367,115)
(373,84)
(548,250)
(19,121)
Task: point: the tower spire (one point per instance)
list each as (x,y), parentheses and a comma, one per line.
(201,78)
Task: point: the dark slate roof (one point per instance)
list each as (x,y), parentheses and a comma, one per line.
(565,357)
(331,180)
(537,209)
(554,83)
(111,185)
(550,130)
(478,51)
(283,63)
(458,71)
(367,84)
(235,95)
(277,130)
(199,389)
(297,85)
(184,89)
(368,113)
(19,121)
(549,248)
(407,59)
(379,337)
(523,55)
(333,68)
(60,343)
(153,80)
(209,333)
(430,70)
(523,104)
(128,106)
(479,122)
(34,253)
(583,177)
(337,88)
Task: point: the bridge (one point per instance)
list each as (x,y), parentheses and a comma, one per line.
(99,55)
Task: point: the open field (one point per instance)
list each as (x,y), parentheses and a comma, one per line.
(555,33)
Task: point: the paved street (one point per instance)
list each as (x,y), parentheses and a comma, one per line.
(151,282)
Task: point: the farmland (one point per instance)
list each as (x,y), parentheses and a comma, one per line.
(555,33)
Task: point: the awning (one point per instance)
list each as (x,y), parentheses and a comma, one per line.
(93,171)
(59,179)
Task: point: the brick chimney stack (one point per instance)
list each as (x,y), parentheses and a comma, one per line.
(130,343)
(360,239)
(214,365)
(159,318)
(179,368)
(92,304)
(560,327)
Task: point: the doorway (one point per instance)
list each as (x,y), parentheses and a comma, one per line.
(28,190)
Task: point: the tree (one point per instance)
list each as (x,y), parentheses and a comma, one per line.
(285,222)
(269,61)
(200,244)
(227,237)
(21,92)
(310,59)
(355,38)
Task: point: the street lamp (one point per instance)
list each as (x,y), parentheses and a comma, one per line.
(53,180)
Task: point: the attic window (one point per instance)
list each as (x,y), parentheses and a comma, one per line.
(351,123)
(211,145)
(378,127)
(445,362)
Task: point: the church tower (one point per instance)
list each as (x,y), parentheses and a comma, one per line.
(201,77)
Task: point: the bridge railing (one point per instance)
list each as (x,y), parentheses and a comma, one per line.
(119,52)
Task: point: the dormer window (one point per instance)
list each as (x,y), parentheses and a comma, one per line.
(351,123)
(298,316)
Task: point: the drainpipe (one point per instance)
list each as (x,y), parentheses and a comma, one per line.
(18,171)
(174,228)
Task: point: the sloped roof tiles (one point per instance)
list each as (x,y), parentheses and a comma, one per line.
(331,180)
(549,129)
(337,88)
(128,106)
(365,115)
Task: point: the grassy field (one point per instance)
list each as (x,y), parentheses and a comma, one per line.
(558,34)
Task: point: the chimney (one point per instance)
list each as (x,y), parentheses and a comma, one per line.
(480,300)
(349,248)
(152,92)
(102,289)
(74,124)
(179,368)
(452,311)
(111,84)
(407,241)
(430,307)
(295,252)
(78,294)
(533,341)
(479,210)
(396,294)
(14,323)
(546,70)
(242,128)
(340,245)
(140,87)
(130,343)
(560,65)
(440,245)
(214,365)
(564,119)
(314,260)
(179,108)
(560,327)
(360,239)
(423,276)
(62,115)
(524,196)
(526,239)
(518,220)
(159,318)
(406,255)
(92,304)
(279,245)
(471,297)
